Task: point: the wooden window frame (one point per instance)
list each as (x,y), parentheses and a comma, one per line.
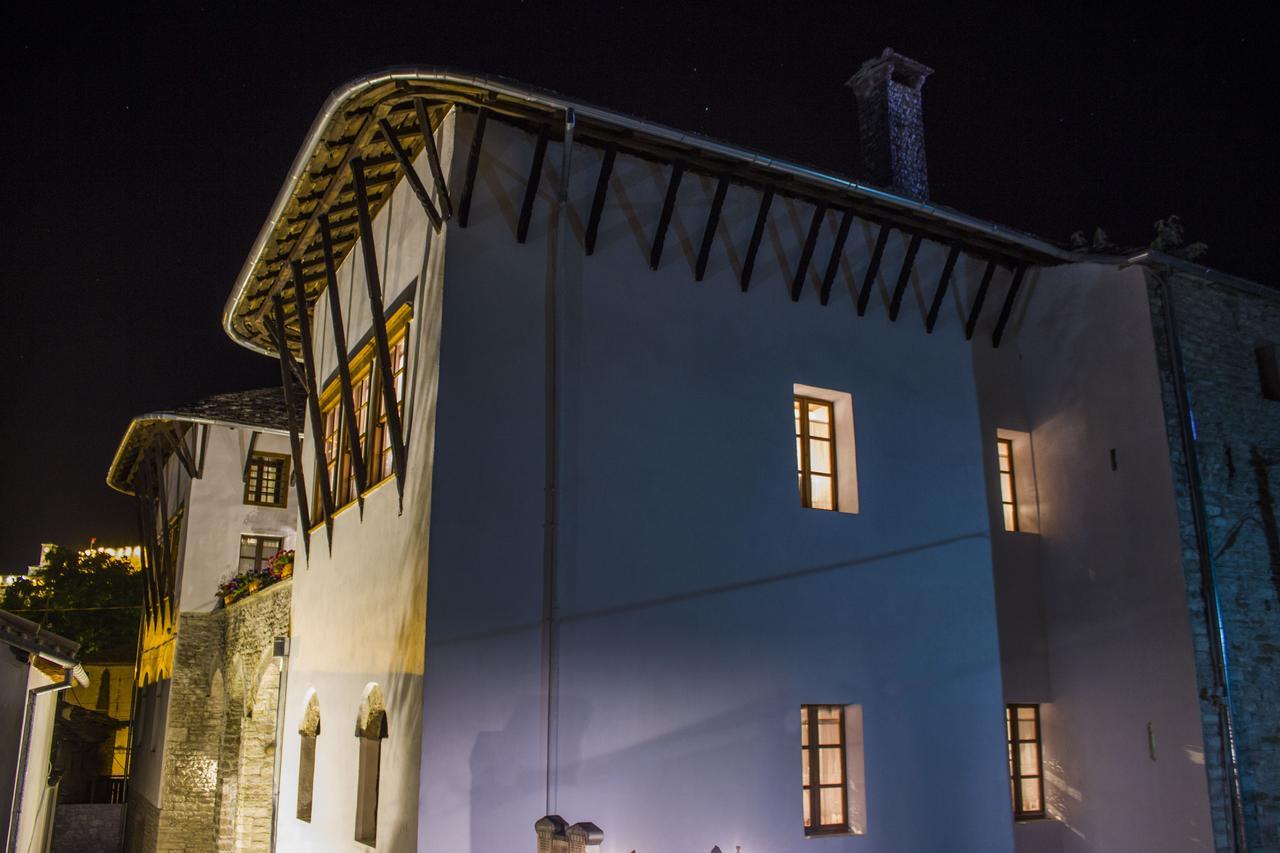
(259,556)
(1011,520)
(1017,773)
(811,752)
(361,365)
(256,461)
(804,467)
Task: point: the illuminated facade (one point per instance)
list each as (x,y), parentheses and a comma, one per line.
(637,466)
(207,478)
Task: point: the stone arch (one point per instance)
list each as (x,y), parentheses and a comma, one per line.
(308,731)
(257,755)
(371,728)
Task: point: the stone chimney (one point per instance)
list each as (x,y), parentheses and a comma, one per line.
(891,123)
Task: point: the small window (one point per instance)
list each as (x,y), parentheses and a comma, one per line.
(382,462)
(826,469)
(266,480)
(308,732)
(1008,497)
(256,550)
(1026,783)
(329,419)
(826,806)
(371,729)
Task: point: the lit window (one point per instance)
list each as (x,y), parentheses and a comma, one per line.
(266,479)
(826,806)
(308,731)
(371,729)
(383,466)
(1022,722)
(360,389)
(330,419)
(815,452)
(256,550)
(1008,495)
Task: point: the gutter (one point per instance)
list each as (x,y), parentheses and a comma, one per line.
(73,673)
(556,104)
(1221,696)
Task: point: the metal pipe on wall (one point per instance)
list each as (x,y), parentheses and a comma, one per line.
(1208,585)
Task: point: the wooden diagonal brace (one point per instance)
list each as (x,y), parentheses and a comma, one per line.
(433,158)
(473,164)
(806,254)
(757,234)
(664,219)
(295,435)
(864,295)
(709,230)
(904,277)
(313,409)
(390,405)
(941,291)
(410,175)
(531,186)
(597,200)
(976,310)
(1007,308)
(344,367)
(837,250)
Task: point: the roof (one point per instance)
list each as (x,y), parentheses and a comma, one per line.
(262,409)
(319,184)
(50,651)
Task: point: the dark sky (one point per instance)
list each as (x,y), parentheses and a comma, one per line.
(144,145)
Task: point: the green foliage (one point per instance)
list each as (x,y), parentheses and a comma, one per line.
(94,599)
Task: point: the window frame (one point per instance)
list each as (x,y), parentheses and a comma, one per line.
(1017,774)
(804,466)
(811,752)
(361,365)
(282,483)
(1008,503)
(260,557)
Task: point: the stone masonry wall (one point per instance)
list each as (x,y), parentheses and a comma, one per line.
(220,735)
(87,827)
(1237,445)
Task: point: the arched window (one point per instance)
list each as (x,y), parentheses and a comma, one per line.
(309,731)
(371,728)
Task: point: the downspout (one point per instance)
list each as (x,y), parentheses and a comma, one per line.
(24,750)
(1208,586)
(551,429)
(281,645)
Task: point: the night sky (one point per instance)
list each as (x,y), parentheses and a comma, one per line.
(144,146)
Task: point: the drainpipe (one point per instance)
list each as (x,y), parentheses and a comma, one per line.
(550,530)
(1208,587)
(71,675)
(280,650)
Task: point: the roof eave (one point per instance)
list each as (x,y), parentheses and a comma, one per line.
(511,89)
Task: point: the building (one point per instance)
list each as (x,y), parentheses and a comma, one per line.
(637,464)
(211,481)
(40,665)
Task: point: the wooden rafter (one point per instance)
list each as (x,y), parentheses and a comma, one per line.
(664,219)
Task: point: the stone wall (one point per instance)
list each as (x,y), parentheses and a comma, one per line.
(1237,448)
(220,736)
(87,828)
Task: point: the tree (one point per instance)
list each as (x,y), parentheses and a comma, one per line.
(93,598)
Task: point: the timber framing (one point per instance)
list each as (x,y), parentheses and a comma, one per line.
(380,120)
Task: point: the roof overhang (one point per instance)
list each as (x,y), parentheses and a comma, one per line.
(145,428)
(318,182)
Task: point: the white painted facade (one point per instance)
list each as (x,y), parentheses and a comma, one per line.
(697,605)
(214,516)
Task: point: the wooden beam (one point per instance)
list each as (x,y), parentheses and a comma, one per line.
(248,457)
(904,276)
(313,409)
(664,219)
(976,310)
(410,174)
(864,295)
(295,439)
(757,234)
(709,231)
(473,163)
(941,290)
(179,447)
(433,158)
(1007,308)
(837,251)
(806,254)
(344,367)
(390,405)
(531,186)
(597,200)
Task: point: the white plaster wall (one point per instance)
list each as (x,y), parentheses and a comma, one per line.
(217,515)
(701,605)
(359,605)
(37,796)
(1093,613)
